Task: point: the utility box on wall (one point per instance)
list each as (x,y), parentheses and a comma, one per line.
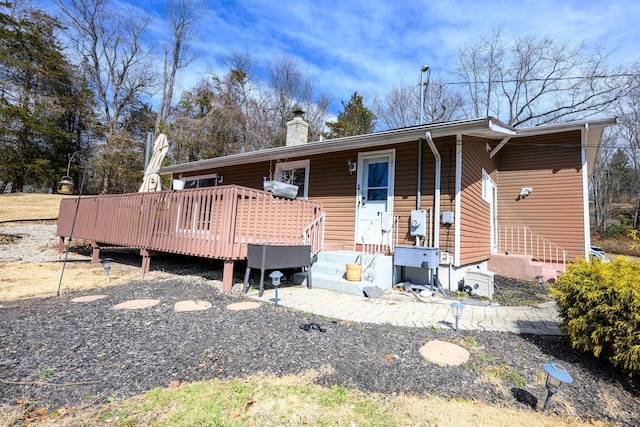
(418,223)
(447,217)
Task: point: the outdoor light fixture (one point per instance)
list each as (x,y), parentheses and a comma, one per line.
(525,191)
(275,280)
(106,263)
(457,308)
(65,186)
(556,376)
(351,166)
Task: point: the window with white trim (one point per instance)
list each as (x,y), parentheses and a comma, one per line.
(199,181)
(296,173)
(488,187)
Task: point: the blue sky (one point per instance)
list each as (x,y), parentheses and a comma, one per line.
(374,45)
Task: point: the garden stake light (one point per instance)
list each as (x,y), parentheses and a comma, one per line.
(556,376)
(457,308)
(275,280)
(106,263)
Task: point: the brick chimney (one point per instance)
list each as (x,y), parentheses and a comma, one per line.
(297,130)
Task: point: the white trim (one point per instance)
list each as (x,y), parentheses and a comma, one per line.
(498,147)
(483,127)
(436,188)
(457,209)
(198,178)
(585,191)
(298,164)
(391,188)
(491,199)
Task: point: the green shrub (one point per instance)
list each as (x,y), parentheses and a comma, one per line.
(616,230)
(600,309)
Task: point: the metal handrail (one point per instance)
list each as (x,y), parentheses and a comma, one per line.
(522,240)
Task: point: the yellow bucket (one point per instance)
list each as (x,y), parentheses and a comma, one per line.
(354,272)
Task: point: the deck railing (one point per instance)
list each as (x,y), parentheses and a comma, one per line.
(213,222)
(522,241)
(313,235)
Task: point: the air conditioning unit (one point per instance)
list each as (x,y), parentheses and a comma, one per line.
(478,282)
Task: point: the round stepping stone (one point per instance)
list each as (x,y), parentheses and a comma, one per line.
(137,304)
(191,305)
(247,305)
(444,353)
(88,298)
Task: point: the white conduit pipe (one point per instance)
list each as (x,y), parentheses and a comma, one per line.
(436,192)
(419,194)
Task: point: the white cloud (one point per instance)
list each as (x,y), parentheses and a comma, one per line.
(373,45)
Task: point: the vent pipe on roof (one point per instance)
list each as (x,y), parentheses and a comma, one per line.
(297,130)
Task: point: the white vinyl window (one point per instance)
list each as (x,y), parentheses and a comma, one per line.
(488,187)
(296,173)
(199,181)
(490,195)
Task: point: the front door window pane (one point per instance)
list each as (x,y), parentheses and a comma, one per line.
(377,180)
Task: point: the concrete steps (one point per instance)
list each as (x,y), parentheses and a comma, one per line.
(329,271)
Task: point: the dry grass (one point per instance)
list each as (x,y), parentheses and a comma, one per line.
(291,400)
(22,280)
(23,206)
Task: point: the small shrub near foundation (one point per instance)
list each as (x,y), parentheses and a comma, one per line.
(600,308)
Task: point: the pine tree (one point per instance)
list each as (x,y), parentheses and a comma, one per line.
(37,91)
(355,119)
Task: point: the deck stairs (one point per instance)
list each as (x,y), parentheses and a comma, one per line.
(329,271)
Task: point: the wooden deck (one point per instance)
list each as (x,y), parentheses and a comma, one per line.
(213,222)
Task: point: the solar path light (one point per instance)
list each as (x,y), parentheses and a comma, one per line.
(556,376)
(106,263)
(456,308)
(275,280)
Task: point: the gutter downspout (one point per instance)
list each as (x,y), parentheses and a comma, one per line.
(419,190)
(585,191)
(436,192)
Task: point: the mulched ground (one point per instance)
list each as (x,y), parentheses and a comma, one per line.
(57,353)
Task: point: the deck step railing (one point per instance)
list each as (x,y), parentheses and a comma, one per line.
(522,241)
(313,235)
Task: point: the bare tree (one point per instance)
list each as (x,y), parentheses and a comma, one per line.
(400,106)
(290,88)
(115,59)
(183,15)
(628,132)
(602,183)
(111,48)
(536,80)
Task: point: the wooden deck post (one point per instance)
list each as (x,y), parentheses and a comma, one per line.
(95,253)
(227,275)
(146,261)
(61,244)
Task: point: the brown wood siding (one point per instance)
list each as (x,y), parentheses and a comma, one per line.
(475,226)
(551,165)
(332,184)
(447,149)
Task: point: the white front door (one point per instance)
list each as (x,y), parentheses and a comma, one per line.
(374,195)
